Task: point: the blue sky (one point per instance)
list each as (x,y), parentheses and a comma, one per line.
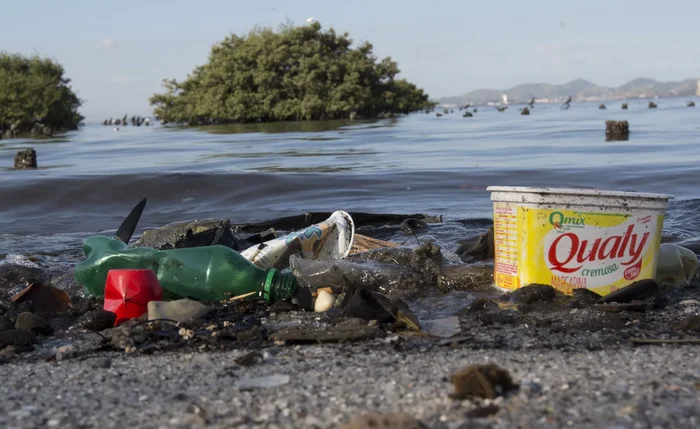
(117,53)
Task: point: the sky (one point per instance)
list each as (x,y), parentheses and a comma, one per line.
(118,53)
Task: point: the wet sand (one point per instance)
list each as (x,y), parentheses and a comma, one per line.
(619,387)
(576,367)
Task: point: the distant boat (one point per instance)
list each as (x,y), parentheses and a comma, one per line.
(505,98)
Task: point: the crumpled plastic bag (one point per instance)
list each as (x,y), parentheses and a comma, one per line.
(676,265)
(336,274)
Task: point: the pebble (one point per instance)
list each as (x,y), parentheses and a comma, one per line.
(32,322)
(5,323)
(248,359)
(7,353)
(96,320)
(63,351)
(100,362)
(324,301)
(17,337)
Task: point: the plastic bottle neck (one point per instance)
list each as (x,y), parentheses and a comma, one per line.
(277,286)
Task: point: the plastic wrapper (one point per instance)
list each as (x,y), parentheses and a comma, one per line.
(676,265)
(315,274)
(331,239)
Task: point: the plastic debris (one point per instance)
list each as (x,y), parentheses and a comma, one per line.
(209,273)
(181,310)
(445,328)
(128,292)
(676,265)
(330,239)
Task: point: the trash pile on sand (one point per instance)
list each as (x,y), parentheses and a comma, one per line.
(213,285)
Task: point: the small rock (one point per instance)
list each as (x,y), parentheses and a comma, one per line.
(96,320)
(377,420)
(251,334)
(483,412)
(530,294)
(17,337)
(32,322)
(12,275)
(248,359)
(25,159)
(583,298)
(525,111)
(486,381)
(7,353)
(25,307)
(9,309)
(60,323)
(6,323)
(100,362)
(63,351)
(81,305)
(690,323)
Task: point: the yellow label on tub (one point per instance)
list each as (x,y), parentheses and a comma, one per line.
(569,249)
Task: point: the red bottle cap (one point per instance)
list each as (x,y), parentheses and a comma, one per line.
(128,292)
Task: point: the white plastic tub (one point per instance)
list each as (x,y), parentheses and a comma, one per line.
(575,238)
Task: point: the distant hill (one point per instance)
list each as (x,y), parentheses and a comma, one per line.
(578,89)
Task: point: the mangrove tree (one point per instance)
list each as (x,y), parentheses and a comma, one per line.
(295,73)
(35,96)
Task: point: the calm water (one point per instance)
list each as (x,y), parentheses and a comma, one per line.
(90,179)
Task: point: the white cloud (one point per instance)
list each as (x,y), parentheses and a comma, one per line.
(106,43)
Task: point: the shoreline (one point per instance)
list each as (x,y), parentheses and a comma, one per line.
(573,361)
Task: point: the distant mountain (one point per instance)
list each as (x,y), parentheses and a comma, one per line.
(578,89)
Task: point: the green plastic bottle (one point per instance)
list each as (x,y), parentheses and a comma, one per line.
(210,273)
